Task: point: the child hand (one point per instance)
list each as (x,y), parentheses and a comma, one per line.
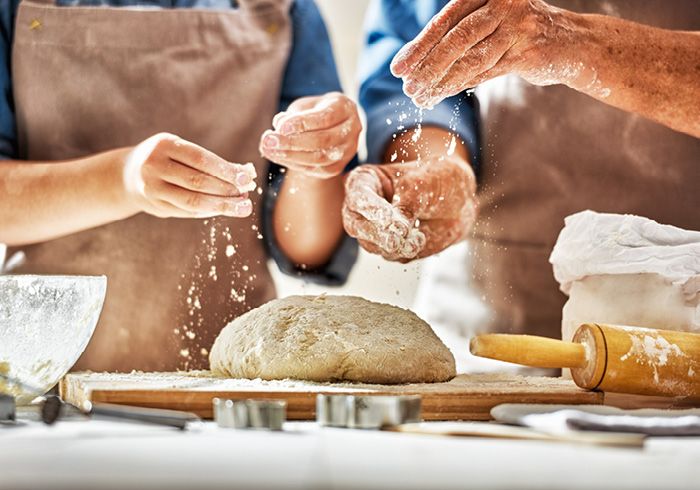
(169,177)
(317,136)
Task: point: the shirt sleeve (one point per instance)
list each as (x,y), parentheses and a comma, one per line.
(310,70)
(8,132)
(389,25)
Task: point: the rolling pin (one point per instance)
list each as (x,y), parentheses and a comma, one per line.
(630,360)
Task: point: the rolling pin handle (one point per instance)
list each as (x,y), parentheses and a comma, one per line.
(529,350)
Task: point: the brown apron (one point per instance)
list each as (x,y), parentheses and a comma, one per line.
(551,151)
(91,79)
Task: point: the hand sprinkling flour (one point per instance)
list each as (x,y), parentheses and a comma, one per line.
(314,140)
(631,66)
(471,41)
(316,136)
(169,177)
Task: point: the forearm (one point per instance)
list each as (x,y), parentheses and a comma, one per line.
(307,218)
(637,68)
(40,201)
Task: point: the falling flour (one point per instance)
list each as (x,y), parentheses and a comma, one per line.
(217,239)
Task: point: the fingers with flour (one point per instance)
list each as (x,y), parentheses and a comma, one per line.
(368,216)
(458,41)
(169,177)
(414,52)
(316,136)
(203,160)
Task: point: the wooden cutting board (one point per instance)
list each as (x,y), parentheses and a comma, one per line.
(467,397)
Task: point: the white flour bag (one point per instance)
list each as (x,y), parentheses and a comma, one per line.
(627,270)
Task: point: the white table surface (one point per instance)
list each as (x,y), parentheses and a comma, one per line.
(97,454)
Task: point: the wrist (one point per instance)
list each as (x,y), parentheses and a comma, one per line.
(556,48)
(125,199)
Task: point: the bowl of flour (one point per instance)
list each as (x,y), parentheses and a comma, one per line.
(45,324)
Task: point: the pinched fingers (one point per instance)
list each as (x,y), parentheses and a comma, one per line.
(203,160)
(336,137)
(188,178)
(300,104)
(414,52)
(163,209)
(486,60)
(326,152)
(328,111)
(462,38)
(197,204)
(317,136)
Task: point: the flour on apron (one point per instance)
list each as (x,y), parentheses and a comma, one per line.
(91,79)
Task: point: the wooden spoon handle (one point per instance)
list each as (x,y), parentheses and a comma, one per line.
(529,350)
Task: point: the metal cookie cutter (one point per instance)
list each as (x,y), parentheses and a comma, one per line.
(367,412)
(7,408)
(250,414)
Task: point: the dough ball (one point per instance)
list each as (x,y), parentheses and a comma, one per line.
(331,338)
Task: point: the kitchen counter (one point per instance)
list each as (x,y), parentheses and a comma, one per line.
(98,454)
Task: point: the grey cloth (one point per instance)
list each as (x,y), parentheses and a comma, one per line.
(561,418)
(684,425)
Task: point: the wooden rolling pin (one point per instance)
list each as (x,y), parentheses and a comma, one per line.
(629,360)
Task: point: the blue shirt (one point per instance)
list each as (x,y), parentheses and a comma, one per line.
(310,70)
(389,25)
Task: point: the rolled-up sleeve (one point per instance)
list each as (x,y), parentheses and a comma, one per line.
(311,70)
(8,132)
(389,25)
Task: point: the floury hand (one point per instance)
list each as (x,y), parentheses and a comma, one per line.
(405,211)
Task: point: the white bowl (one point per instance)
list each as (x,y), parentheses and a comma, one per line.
(45,324)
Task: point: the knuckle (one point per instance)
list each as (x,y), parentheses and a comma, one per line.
(194,201)
(162,146)
(224,207)
(165,139)
(346,104)
(199,158)
(440,23)
(460,36)
(196,180)
(325,117)
(335,95)
(323,157)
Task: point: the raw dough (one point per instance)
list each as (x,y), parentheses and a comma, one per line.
(331,338)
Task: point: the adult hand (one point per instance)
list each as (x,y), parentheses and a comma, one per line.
(169,177)
(471,41)
(316,136)
(405,211)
